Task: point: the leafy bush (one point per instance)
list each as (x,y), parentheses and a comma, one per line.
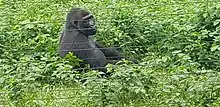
(176,43)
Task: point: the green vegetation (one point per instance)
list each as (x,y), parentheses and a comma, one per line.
(177,43)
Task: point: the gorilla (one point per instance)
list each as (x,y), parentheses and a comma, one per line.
(76,37)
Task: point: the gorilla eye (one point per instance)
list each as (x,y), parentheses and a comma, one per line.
(75,22)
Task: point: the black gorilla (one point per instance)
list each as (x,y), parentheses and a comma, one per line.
(80,24)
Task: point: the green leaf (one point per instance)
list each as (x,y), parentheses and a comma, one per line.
(214,48)
(25,22)
(216,22)
(176,52)
(2,80)
(29,26)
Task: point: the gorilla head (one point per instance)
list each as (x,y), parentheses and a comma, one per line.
(81,20)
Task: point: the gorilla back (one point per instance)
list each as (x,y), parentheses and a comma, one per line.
(79,25)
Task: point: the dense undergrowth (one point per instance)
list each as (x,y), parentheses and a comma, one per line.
(176,42)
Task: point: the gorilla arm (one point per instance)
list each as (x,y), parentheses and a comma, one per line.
(113,55)
(79,44)
(110,52)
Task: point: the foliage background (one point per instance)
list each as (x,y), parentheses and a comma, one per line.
(175,41)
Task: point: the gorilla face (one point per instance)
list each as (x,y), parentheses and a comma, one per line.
(88,26)
(83,21)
